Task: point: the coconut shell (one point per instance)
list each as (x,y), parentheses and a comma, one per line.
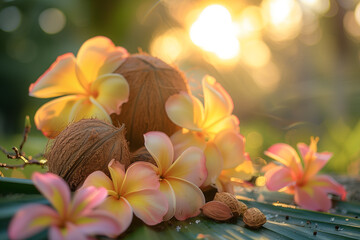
(142,155)
(151,82)
(84,147)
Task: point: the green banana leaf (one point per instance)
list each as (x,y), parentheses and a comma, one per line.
(284,220)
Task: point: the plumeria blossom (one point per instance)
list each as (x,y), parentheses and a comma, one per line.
(179,178)
(134,191)
(211,127)
(69,219)
(310,190)
(87,84)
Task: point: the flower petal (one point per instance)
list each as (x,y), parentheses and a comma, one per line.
(55,189)
(148,205)
(111,90)
(278,177)
(30,220)
(244,171)
(232,148)
(329,185)
(91,57)
(228,123)
(191,166)
(60,79)
(185,111)
(286,155)
(160,148)
(218,103)
(53,117)
(117,172)
(85,199)
(121,209)
(189,198)
(166,189)
(214,163)
(311,198)
(98,179)
(68,232)
(113,60)
(184,139)
(88,108)
(140,176)
(99,222)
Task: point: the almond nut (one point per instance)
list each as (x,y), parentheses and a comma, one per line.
(254,218)
(217,210)
(237,208)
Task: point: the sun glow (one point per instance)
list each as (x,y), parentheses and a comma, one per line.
(214,31)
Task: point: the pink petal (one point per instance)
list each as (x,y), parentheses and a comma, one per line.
(214,163)
(91,57)
(168,192)
(30,220)
(148,205)
(113,60)
(190,166)
(99,222)
(88,107)
(185,111)
(55,189)
(311,198)
(286,155)
(232,148)
(55,233)
(121,210)
(140,176)
(218,103)
(329,185)
(117,172)
(111,91)
(69,232)
(161,149)
(189,198)
(60,79)
(182,140)
(98,179)
(227,123)
(278,177)
(85,199)
(53,117)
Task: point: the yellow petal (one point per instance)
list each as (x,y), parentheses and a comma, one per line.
(182,140)
(117,172)
(53,117)
(166,189)
(214,163)
(113,60)
(91,57)
(98,179)
(232,147)
(189,198)
(228,123)
(88,107)
(185,111)
(218,103)
(60,79)
(111,91)
(161,149)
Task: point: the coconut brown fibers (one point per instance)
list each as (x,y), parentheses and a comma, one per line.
(151,82)
(84,147)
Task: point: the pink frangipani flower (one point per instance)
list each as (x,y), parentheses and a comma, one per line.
(134,191)
(179,178)
(310,190)
(69,219)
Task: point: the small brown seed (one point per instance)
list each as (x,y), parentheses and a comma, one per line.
(217,210)
(254,218)
(237,208)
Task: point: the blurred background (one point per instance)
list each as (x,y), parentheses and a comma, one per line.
(291,66)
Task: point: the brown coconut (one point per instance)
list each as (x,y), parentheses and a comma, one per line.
(151,82)
(84,147)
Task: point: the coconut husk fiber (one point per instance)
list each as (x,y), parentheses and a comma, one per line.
(84,147)
(151,82)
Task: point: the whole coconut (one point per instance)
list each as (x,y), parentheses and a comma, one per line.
(84,147)
(151,82)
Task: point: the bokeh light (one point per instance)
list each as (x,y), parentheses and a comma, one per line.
(319,6)
(52,20)
(10,19)
(255,53)
(215,32)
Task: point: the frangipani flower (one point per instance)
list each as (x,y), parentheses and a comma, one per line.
(74,219)
(87,83)
(211,127)
(136,191)
(311,190)
(179,179)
